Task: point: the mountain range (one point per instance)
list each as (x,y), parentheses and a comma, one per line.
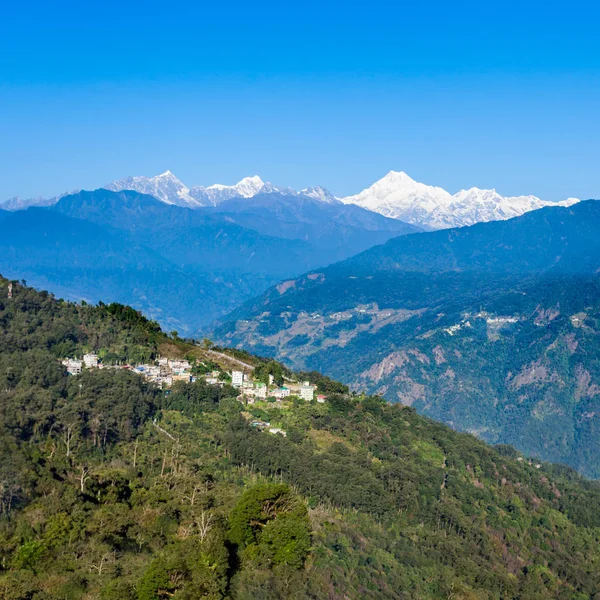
(491,328)
(169,189)
(183,267)
(395,196)
(398,196)
(500,315)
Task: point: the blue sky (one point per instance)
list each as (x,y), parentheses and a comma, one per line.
(503,94)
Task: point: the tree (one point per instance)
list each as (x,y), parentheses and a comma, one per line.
(271,522)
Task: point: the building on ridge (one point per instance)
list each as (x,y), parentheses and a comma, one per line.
(307,392)
(73,365)
(90,360)
(237,379)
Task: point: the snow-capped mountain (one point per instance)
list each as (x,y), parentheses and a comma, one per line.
(169,189)
(248,187)
(398,196)
(320,193)
(165,187)
(475,205)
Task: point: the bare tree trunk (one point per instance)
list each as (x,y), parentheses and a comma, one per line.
(68,438)
(135,447)
(164,462)
(83,478)
(204,524)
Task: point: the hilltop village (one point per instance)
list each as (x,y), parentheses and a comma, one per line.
(167,371)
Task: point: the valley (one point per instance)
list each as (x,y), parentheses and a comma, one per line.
(492,329)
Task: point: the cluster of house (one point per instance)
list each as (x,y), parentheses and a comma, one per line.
(257,390)
(166,372)
(75,366)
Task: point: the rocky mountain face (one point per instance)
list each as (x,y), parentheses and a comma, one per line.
(166,188)
(492,328)
(398,196)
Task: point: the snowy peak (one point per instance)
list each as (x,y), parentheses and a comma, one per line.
(245,188)
(396,195)
(320,193)
(399,196)
(165,187)
(475,205)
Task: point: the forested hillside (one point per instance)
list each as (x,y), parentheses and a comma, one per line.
(491,328)
(111,488)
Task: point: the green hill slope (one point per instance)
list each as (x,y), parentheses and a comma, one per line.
(111,488)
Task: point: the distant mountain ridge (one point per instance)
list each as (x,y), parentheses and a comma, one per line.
(398,196)
(169,189)
(187,266)
(395,196)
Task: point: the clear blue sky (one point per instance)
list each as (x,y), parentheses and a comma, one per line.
(492,94)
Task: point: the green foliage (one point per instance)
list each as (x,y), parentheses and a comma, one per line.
(271,368)
(286,540)
(270,523)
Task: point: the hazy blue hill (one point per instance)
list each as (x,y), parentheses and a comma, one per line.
(338,229)
(492,328)
(189,237)
(78,259)
(534,242)
(183,267)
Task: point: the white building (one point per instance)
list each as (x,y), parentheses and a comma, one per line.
(179,366)
(90,361)
(73,366)
(237,379)
(277,430)
(260,391)
(307,392)
(280,393)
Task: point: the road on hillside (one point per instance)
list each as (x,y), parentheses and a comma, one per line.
(228,357)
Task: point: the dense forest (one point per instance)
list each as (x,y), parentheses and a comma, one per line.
(111,488)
